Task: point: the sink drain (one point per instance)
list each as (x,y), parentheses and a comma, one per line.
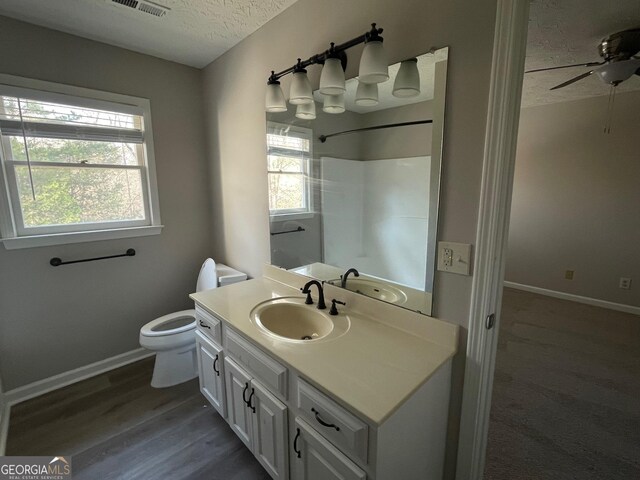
(306,337)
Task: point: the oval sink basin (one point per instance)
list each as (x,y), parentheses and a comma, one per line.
(291,319)
(377,290)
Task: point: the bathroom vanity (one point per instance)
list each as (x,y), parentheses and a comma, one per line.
(365,398)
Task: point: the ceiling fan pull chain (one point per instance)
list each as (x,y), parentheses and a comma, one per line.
(612,97)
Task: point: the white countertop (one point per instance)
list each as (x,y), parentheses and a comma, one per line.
(373,368)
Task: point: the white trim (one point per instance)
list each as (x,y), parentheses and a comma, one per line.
(596,302)
(510,38)
(50,384)
(78,237)
(59,92)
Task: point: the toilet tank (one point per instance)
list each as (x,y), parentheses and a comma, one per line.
(228,275)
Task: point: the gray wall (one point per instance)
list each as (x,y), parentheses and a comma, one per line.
(576,199)
(234,88)
(56,319)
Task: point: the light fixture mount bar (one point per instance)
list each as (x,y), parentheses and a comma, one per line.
(335,51)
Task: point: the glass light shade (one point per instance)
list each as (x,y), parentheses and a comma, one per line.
(300,91)
(374,66)
(332,77)
(274,98)
(367,94)
(333,103)
(306,111)
(407,83)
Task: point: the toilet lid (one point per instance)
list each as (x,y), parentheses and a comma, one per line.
(171,324)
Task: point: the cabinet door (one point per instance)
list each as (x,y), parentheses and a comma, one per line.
(314,458)
(210,368)
(270,445)
(238,385)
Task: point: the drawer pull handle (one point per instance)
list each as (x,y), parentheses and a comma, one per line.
(322,422)
(295,443)
(253,409)
(204,325)
(215,369)
(246,387)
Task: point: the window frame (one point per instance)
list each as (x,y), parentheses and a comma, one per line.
(274,128)
(13,233)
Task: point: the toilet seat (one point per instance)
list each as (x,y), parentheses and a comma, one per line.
(154,327)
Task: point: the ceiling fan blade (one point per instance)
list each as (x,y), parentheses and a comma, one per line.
(573,80)
(589,64)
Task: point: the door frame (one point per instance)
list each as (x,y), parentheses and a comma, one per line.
(507,70)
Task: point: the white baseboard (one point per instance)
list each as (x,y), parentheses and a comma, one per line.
(575,298)
(46,385)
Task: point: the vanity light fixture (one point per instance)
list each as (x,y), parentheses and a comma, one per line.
(306,111)
(333,103)
(407,83)
(374,65)
(275,101)
(300,92)
(332,81)
(367,94)
(373,69)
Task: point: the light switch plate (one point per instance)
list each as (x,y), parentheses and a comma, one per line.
(454,257)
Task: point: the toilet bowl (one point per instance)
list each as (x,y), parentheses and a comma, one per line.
(172,336)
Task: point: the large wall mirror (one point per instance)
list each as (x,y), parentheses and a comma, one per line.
(355,185)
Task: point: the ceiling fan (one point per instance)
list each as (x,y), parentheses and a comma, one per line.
(620,61)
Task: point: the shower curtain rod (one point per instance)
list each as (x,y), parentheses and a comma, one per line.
(323,138)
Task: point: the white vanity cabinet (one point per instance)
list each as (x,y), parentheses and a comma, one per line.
(258,418)
(315,458)
(371,404)
(210,372)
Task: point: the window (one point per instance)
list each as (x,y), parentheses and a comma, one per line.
(76,168)
(289,156)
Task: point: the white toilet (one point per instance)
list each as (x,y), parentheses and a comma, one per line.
(172,336)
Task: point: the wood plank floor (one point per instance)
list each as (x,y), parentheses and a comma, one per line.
(566,392)
(116,426)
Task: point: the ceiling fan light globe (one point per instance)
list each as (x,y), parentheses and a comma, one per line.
(615,73)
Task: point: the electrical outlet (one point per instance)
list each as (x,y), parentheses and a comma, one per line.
(454,257)
(568,275)
(625,283)
(448,257)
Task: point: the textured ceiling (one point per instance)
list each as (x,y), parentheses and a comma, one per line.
(193,32)
(563,32)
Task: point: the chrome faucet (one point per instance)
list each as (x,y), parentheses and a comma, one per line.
(305,289)
(343,278)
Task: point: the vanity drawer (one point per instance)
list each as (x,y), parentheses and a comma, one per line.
(343,428)
(266,369)
(209,325)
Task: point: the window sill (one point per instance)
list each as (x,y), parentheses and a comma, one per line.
(78,237)
(283,217)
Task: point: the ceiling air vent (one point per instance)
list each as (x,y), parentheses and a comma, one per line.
(145,7)
(127,3)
